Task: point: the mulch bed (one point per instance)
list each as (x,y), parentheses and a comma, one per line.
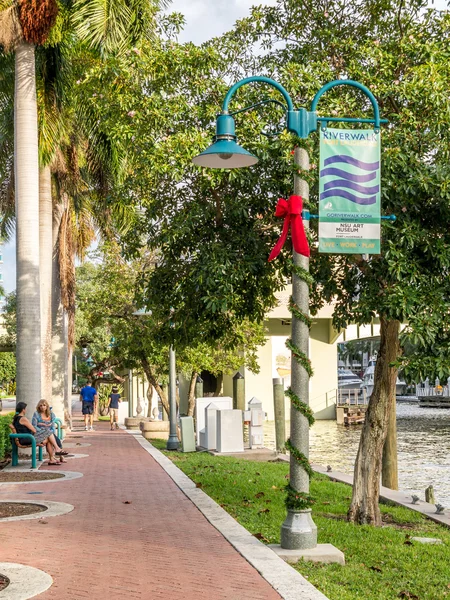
(4,582)
(13,476)
(18,509)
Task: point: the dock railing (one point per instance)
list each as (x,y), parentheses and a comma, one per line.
(352,397)
(424,390)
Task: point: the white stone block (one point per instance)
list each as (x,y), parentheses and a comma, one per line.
(123,412)
(254,404)
(187,434)
(230,437)
(211,426)
(257,418)
(222,402)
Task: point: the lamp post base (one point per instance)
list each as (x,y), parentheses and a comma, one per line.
(298,532)
(172,443)
(322,553)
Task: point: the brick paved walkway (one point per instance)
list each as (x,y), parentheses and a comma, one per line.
(159,546)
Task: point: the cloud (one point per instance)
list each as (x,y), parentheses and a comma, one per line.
(206,19)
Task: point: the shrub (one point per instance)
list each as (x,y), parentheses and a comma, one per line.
(5,444)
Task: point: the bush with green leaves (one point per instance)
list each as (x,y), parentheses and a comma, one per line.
(5,444)
(104,392)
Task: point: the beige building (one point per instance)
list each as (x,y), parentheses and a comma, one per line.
(274,361)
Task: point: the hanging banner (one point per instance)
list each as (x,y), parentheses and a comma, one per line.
(349,191)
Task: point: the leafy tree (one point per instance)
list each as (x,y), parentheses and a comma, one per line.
(7,367)
(116,338)
(211,231)
(400,52)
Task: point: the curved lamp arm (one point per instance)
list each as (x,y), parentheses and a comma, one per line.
(356,84)
(255,79)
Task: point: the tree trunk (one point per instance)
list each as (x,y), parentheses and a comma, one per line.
(151,378)
(191,397)
(219,384)
(68,385)
(364,507)
(149,399)
(26,175)
(59,349)
(45,279)
(389,471)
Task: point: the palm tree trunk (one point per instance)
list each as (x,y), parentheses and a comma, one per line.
(45,266)
(26,172)
(59,350)
(68,374)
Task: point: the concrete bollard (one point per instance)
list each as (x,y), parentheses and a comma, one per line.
(199,387)
(280,418)
(429,495)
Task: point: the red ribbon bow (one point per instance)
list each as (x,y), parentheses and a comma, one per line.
(291,210)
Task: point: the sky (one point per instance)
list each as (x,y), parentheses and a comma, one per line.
(204,19)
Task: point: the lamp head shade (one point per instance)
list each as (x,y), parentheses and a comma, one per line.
(225,153)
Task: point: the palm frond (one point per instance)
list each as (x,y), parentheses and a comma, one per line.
(11,33)
(112,27)
(67,269)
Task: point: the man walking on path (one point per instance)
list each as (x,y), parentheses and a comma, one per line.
(114,399)
(89,398)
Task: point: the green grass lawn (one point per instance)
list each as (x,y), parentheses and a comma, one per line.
(381,563)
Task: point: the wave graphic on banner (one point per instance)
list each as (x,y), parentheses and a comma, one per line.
(350,181)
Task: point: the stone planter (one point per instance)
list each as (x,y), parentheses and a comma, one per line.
(152,430)
(133,422)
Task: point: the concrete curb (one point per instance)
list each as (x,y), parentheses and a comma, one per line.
(25,582)
(68,475)
(392,497)
(282,577)
(54,509)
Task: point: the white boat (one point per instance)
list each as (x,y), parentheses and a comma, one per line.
(368,380)
(347,380)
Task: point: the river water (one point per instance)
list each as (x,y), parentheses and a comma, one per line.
(423,448)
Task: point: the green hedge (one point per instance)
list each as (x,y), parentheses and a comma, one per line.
(5,445)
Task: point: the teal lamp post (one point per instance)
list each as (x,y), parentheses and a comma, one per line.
(298,531)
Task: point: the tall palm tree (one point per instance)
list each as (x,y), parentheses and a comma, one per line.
(23,25)
(104,27)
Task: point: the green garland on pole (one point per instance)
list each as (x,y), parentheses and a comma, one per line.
(300,405)
(296,500)
(300,356)
(298,314)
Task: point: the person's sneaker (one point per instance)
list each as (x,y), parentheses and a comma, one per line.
(117,425)
(86,428)
(91,428)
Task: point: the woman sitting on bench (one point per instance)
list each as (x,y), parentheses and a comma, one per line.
(44,419)
(42,436)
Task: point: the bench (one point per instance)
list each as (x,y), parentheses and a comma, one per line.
(60,430)
(15,443)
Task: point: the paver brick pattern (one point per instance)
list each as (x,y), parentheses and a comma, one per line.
(159,546)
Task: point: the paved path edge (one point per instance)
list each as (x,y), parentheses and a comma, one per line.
(282,577)
(25,582)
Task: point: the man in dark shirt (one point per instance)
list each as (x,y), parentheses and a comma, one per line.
(114,400)
(89,398)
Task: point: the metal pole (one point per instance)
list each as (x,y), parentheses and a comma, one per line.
(172,442)
(130,391)
(239,391)
(298,530)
